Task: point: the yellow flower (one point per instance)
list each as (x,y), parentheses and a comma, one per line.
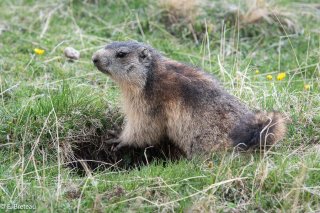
(38,51)
(269,77)
(307,87)
(257,71)
(281,76)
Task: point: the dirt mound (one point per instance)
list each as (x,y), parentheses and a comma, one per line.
(87,147)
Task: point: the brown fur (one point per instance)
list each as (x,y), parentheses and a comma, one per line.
(183,103)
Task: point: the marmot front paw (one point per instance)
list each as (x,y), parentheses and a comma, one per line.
(115,141)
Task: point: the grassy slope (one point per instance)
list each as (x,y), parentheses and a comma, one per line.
(44,97)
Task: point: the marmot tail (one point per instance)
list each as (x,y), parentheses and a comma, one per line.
(259,130)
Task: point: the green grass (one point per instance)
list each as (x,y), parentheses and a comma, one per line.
(44,98)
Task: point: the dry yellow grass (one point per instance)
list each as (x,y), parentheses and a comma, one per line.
(260,11)
(177,11)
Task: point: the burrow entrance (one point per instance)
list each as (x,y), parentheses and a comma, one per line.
(87,148)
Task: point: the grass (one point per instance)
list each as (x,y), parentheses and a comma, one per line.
(44,98)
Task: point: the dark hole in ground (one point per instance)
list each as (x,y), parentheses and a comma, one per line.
(125,158)
(86,148)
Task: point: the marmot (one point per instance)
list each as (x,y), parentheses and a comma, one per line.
(166,98)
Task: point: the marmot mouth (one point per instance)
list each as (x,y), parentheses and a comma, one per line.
(107,72)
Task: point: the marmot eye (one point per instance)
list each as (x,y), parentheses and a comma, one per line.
(121,54)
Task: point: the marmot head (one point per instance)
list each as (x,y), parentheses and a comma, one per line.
(126,62)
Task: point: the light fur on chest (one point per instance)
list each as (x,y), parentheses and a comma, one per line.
(140,127)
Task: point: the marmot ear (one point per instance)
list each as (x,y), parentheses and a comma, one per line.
(145,56)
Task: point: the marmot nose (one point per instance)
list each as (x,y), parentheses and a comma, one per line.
(95,59)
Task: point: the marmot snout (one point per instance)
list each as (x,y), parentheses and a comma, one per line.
(165,98)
